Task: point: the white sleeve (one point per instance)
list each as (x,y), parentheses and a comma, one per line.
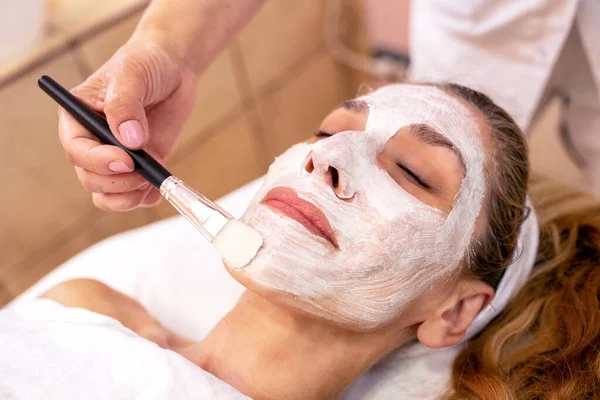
(54,352)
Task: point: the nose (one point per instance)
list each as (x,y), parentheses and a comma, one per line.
(330,173)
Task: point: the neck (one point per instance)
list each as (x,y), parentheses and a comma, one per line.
(268,352)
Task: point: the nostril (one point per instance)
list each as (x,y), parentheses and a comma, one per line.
(334,177)
(309,167)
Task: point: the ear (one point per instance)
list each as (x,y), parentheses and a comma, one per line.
(363,89)
(447,326)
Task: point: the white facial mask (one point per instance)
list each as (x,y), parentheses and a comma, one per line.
(392,246)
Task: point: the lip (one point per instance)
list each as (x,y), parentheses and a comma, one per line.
(285,200)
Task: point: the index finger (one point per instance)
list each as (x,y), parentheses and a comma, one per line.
(84,149)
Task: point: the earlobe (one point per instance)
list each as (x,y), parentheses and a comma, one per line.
(447,327)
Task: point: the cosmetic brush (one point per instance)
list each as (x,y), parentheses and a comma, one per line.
(238,243)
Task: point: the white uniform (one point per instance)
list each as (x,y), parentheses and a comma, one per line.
(520,53)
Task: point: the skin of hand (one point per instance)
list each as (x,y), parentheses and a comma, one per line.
(100,298)
(147,92)
(146,95)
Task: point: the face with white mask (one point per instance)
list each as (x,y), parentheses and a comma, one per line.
(375,215)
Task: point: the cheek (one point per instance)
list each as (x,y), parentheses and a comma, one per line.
(411,242)
(398,230)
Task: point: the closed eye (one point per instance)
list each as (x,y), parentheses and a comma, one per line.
(414,177)
(322,134)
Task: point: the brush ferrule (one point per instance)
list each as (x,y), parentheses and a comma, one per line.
(204,214)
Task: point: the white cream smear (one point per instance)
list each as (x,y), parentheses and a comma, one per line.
(392,246)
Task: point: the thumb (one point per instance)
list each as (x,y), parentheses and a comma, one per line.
(124,110)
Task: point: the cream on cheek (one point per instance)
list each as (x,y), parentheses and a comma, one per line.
(392,247)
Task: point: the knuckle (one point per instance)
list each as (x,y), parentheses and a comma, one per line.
(92,91)
(89,184)
(84,89)
(70,157)
(94,161)
(123,185)
(87,181)
(77,90)
(116,106)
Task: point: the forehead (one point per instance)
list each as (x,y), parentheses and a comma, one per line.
(396,106)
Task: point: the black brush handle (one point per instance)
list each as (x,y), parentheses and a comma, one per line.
(145,165)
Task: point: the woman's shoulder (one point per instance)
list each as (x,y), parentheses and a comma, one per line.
(70,352)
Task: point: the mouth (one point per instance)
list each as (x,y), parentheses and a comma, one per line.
(285,200)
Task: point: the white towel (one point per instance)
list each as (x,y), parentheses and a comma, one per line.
(49,351)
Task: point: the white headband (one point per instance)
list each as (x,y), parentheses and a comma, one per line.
(514,278)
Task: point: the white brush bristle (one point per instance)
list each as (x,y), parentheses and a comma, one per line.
(237,243)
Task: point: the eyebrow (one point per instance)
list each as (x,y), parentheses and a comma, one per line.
(358,106)
(430,136)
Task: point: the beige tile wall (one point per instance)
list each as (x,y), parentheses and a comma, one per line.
(269,89)
(295,107)
(78,16)
(273,46)
(41,197)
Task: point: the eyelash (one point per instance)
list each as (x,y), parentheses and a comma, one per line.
(412,175)
(323,134)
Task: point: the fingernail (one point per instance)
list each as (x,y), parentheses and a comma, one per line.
(132,133)
(118,166)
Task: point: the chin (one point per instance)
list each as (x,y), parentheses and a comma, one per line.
(294,305)
(278,298)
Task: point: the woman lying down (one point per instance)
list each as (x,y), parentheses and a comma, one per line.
(405,232)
